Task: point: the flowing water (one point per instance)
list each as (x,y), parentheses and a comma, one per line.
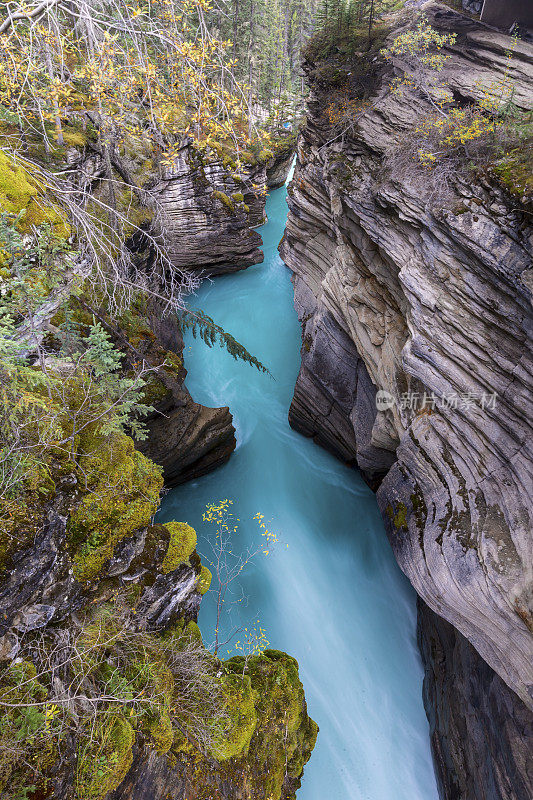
(330,592)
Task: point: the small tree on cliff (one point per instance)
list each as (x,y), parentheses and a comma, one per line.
(228,564)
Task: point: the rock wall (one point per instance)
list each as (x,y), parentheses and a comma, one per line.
(412,297)
(208,216)
(468,703)
(186,438)
(278,166)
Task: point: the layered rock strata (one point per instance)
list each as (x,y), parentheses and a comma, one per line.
(278,166)
(208,214)
(420,294)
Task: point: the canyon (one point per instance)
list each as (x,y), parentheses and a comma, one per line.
(413,293)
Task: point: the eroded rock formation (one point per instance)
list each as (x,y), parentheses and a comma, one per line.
(468,703)
(278,166)
(186,438)
(208,215)
(399,293)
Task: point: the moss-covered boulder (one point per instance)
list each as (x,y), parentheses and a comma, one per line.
(241,718)
(181,545)
(267,736)
(285,735)
(204,580)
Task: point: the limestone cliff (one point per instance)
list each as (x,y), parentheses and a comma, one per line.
(415,297)
(208,214)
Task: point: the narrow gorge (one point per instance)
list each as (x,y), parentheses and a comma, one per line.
(266,422)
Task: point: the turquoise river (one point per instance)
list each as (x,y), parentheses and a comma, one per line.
(330,592)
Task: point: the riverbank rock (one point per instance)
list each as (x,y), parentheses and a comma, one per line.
(278,166)
(118,634)
(468,703)
(186,438)
(408,295)
(208,216)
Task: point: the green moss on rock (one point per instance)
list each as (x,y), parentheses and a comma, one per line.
(225,200)
(19,192)
(181,546)
(285,734)
(515,173)
(234,739)
(162,733)
(204,581)
(122,494)
(104,761)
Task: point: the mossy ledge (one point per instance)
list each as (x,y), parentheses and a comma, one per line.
(268,737)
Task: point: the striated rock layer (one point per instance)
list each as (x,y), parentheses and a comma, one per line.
(208,216)
(278,166)
(399,293)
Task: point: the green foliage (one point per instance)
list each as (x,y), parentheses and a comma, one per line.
(68,411)
(490,134)
(28,728)
(267,36)
(344,30)
(115,398)
(200,324)
(421,46)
